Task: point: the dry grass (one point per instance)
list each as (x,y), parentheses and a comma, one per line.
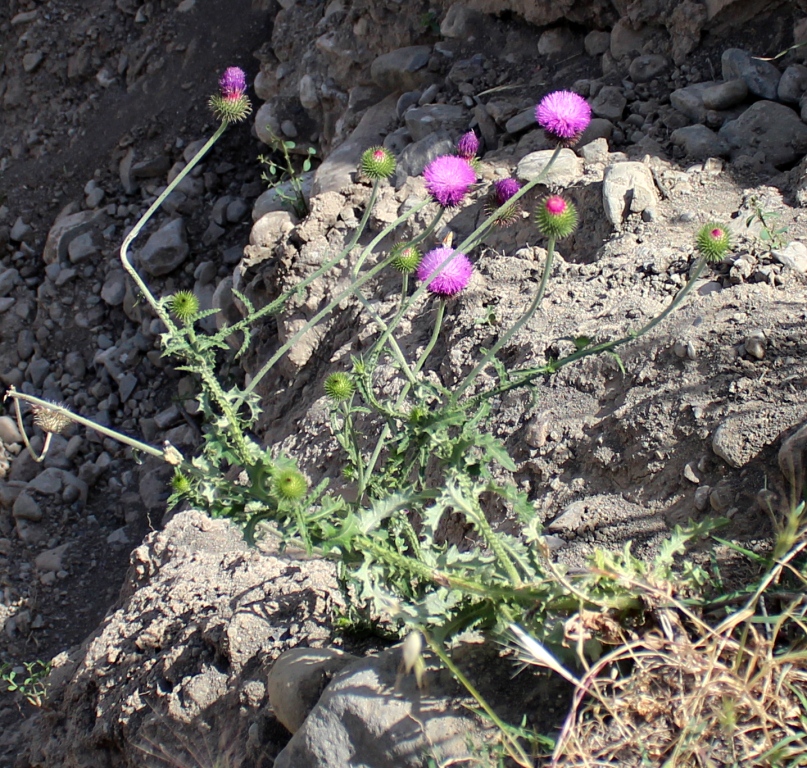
(688,694)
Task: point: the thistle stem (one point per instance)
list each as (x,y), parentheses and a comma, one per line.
(523,320)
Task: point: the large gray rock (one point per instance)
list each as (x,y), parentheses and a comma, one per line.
(165,250)
(403,69)
(699,142)
(761,77)
(770,127)
(374,715)
(793,84)
(338,168)
(415,157)
(689,101)
(609,103)
(431,118)
(628,187)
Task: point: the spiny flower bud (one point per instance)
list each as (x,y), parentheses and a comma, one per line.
(289,485)
(502,191)
(377,163)
(231,104)
(713,241)
(339,386)
(180,483)
(556,217)
(49,420)
(405,258)
(468,145)
(184,305)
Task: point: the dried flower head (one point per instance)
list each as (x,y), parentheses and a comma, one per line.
(713,241)
(339,386)
(564,115)
(454,276)
(405,258)
(184,305)
(502,191)
(289,485)
(231,104)
(556,217)
(468,145)
(448,179)
(377,163)
(50,420)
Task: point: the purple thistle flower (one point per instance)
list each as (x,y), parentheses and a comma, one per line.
(468,145)
(504,189)
(453,278)
(563,114)
(233,83)
(448,178)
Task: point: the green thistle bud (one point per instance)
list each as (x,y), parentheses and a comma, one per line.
(377,163)
(339,386)
(712,241)
(230,109)
(556,217)
(289,485)
(184,305)
(405,258)
(180,483)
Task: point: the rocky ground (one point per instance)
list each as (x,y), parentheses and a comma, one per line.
(104,102)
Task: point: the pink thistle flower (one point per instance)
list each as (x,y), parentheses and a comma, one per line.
(468,145)
(453,278)
(448,179)
(233,83)
(563,115)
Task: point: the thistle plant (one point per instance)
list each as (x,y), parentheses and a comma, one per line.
(412,457)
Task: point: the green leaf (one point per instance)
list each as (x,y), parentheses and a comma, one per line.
(290,144)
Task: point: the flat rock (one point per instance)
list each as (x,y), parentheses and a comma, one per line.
(742,436)
(65,230)
(793,255)
(566,169)
(725,95)
(770,127)
(628,187)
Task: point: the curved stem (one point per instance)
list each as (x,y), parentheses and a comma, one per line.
(525,318)
(124,256)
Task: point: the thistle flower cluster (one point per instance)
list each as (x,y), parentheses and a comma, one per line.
(231,104)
